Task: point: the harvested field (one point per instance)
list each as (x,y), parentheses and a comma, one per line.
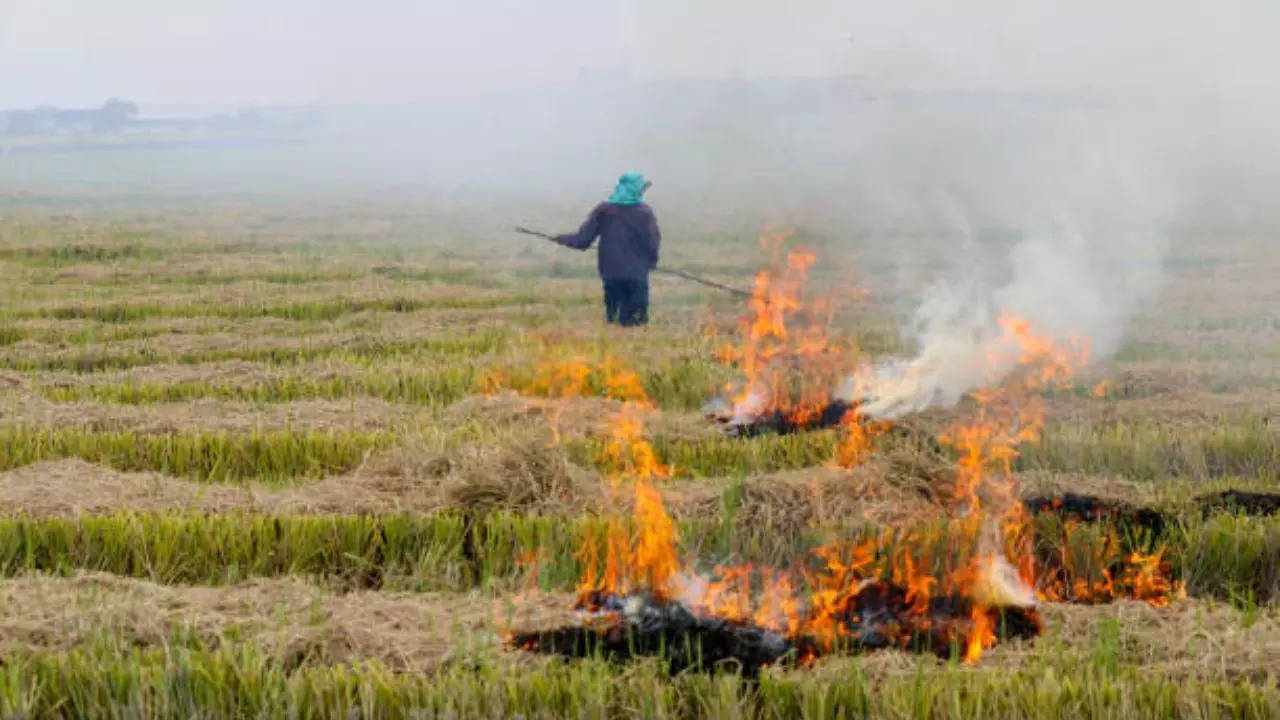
(246,459)
(299,623)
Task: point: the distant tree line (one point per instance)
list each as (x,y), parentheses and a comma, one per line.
(117,115)
(111,117)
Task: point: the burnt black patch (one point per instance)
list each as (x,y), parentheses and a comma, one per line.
(784,423)
(1089,508)
(877,616)
(636,626)
(880,616)
(1249,503)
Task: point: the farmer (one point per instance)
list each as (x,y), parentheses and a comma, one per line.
(629,239)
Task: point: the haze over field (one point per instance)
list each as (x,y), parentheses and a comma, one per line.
(1043,154)
(816,105)
(228,52)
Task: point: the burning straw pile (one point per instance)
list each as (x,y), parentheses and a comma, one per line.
(951,590)
(790,361)
(748,619)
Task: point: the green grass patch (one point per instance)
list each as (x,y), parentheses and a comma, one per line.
(305,311)
(1247,447)
(447,550)
(441,551)
(89,336)
(75,253)
(268,457)
(287,276)
(10,335)
(1230,556)
(1203,350)
(187,679)
(684,383)
(217,549)
(313,311)
(99,358)
(131,276)
(471,277)
(435,387)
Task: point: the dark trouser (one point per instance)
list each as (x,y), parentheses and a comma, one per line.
(626,300)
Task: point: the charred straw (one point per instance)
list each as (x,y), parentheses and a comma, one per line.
(780,422)
(878,616)
(1090,508)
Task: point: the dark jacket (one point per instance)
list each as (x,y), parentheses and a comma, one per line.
(629,239)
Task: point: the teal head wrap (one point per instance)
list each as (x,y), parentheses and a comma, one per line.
(630,189)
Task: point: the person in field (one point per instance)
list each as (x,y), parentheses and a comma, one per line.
(629,239)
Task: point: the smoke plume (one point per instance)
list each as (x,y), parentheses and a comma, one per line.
(1068,238)
(1078,289)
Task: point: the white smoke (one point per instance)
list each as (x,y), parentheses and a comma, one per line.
(1072,235)
(1075,288)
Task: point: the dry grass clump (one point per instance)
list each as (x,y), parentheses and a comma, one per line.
(1201,638)
(922,472)
(1108,487)
(528,476)
(574,418)
(242,372)
(69,487)
(356,413)
(519,471)
(300,623)
(522,477)
(566,417)
(1150,380)
(800,501)
(14,381)
(72,486)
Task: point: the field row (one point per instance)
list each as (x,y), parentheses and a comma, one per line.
(343,365)
(348,348)
(423,372)
(1248,449)
(314,311)
(1228,557)
(188,679)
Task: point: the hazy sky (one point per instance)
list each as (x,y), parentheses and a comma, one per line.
(245,51)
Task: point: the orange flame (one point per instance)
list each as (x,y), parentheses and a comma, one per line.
(981,637)
(790,359)
(647,559)
(570,378)
(787,358)
(654,560)
(857,438)
(627,452)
